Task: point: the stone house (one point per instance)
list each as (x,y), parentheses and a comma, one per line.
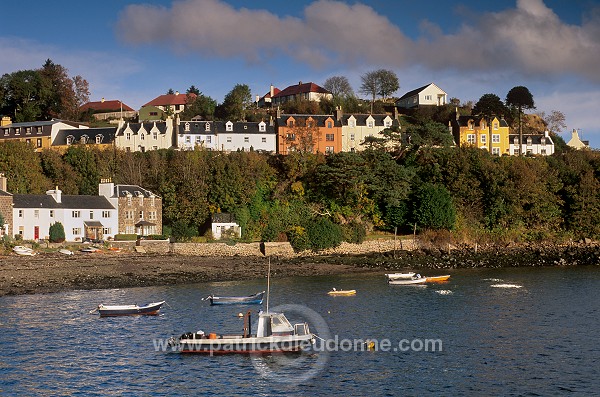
(6,205)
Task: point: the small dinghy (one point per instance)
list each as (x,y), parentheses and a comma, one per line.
(25,251)
(151,309)
(342,292)
(400,276)
(255,299)
(65,251)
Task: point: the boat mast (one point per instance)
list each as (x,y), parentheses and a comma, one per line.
(268,283)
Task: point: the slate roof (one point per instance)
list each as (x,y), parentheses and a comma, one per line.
(268,94)
(222,217)
(463,121)
(220,127)
(107,133)
(161,126)
(170,100)
(134,190)
(67,201)
(105,106)
(361,119)
(414,92)
(3,193)
(319,119)
(301,88)
(536,139)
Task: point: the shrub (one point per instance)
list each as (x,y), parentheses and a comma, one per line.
(354,232)
(323,234)
(57,232)
(298,238)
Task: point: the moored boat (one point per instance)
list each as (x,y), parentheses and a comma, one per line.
(21,250)
(151,309)
(416,279)
(275,334)
(255,299)
(342,292)
(400,276)
(65,251)
(437,279)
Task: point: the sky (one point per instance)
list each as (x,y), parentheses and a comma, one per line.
(135,51)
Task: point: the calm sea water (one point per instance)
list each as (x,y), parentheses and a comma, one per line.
(524,331)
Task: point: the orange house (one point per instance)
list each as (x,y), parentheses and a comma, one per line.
(308,133)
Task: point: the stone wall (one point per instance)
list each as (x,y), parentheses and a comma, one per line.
(283,250)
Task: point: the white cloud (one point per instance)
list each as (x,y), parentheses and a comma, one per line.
(530,38)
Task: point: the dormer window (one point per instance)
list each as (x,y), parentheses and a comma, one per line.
(84,139)
(543,141)
(470,125)
(99,139)
(291,124)
(370,123)
(352,123)
(329,124)
(207,127)
(262,127)
(529,141)
(70,139)
(229,126)
(186,127)
(142,136)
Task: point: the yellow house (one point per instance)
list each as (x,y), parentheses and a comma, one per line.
(477,132)
(39,134)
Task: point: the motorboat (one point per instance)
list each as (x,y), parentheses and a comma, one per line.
(400,276)
(151,309)
(22,250)
(274,334)
(416,279)
(342,292)
(255,299)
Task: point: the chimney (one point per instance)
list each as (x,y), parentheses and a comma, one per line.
(176,92)
(56,194)
(300,83)
(272,91)
(3,181)
(5,121)
(456,111)
(338,113)
(102,100)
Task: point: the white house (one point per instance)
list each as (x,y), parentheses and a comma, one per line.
(301,92)
(428,95)
(357,127)
(533,144)
(227,136)
(576,143)
(141,137)
(224,223)
(82,216)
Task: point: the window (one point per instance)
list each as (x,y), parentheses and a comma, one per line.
(370,124)
(142,136)
(20,213)
(188,139)
(207,127)
(329,124)
(329,137)
(39,130)
(153,113)
(128,136)
(18,131)
(328,149)
(76,231)
(106,230)
(27,130)
(246,139)
(471,139)
(496,151)
(152,201)
(351,137)
(51,213)
(470,125)
(352,123)
(495,125)
(99,139)
(76,214)
(529,141)
(428,97)
(291,137)
(229,126)
(91,214)
(155,135)
(6,131)
(483,139)
(291,123)
(152,215)
(129,230)
(262,127)
(129,199)
(543,141)
(141,215)
(264,140)
(70,140)
(543,152)
(198,140)
(495,138)
(36,213)
(84,139)
(208,139)
(387,123)
(128,214)
(27,140)
(186,127)
(228,139)
(105,214)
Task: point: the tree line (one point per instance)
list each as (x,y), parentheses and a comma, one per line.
(316,201)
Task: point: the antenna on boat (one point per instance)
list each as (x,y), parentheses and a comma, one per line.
(268,283)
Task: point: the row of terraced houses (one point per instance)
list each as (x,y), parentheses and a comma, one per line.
(160,127)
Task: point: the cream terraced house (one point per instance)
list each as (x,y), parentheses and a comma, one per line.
(142,137)
(357,127)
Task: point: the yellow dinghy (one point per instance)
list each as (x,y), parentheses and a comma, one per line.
(342,292)
(437,279)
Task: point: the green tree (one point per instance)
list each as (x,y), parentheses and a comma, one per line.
(433,208)
(323,233)
(235,104)
(489,106)
(56,232)
(22,95)
(380,82)
(340,88)
(202,105)
(520,98)
(193,90)
(83,162)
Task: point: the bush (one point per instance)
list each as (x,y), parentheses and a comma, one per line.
(323,234)
(298,238)
(354,232)
(57,232)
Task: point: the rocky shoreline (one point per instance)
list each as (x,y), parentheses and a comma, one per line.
(53,272)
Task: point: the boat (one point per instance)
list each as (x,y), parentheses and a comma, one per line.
(437,279)
(90,249)
(400,276)
(151,309)
(65,251)
(21,250)
(255,299)
(274,334)
(416,279)
(342,292)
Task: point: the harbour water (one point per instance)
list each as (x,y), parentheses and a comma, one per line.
(518,331)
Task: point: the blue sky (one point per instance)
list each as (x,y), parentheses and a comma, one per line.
(135,51)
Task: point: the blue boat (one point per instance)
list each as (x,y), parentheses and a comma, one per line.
(255,299)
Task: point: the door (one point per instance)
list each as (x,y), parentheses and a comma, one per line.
(36,233)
